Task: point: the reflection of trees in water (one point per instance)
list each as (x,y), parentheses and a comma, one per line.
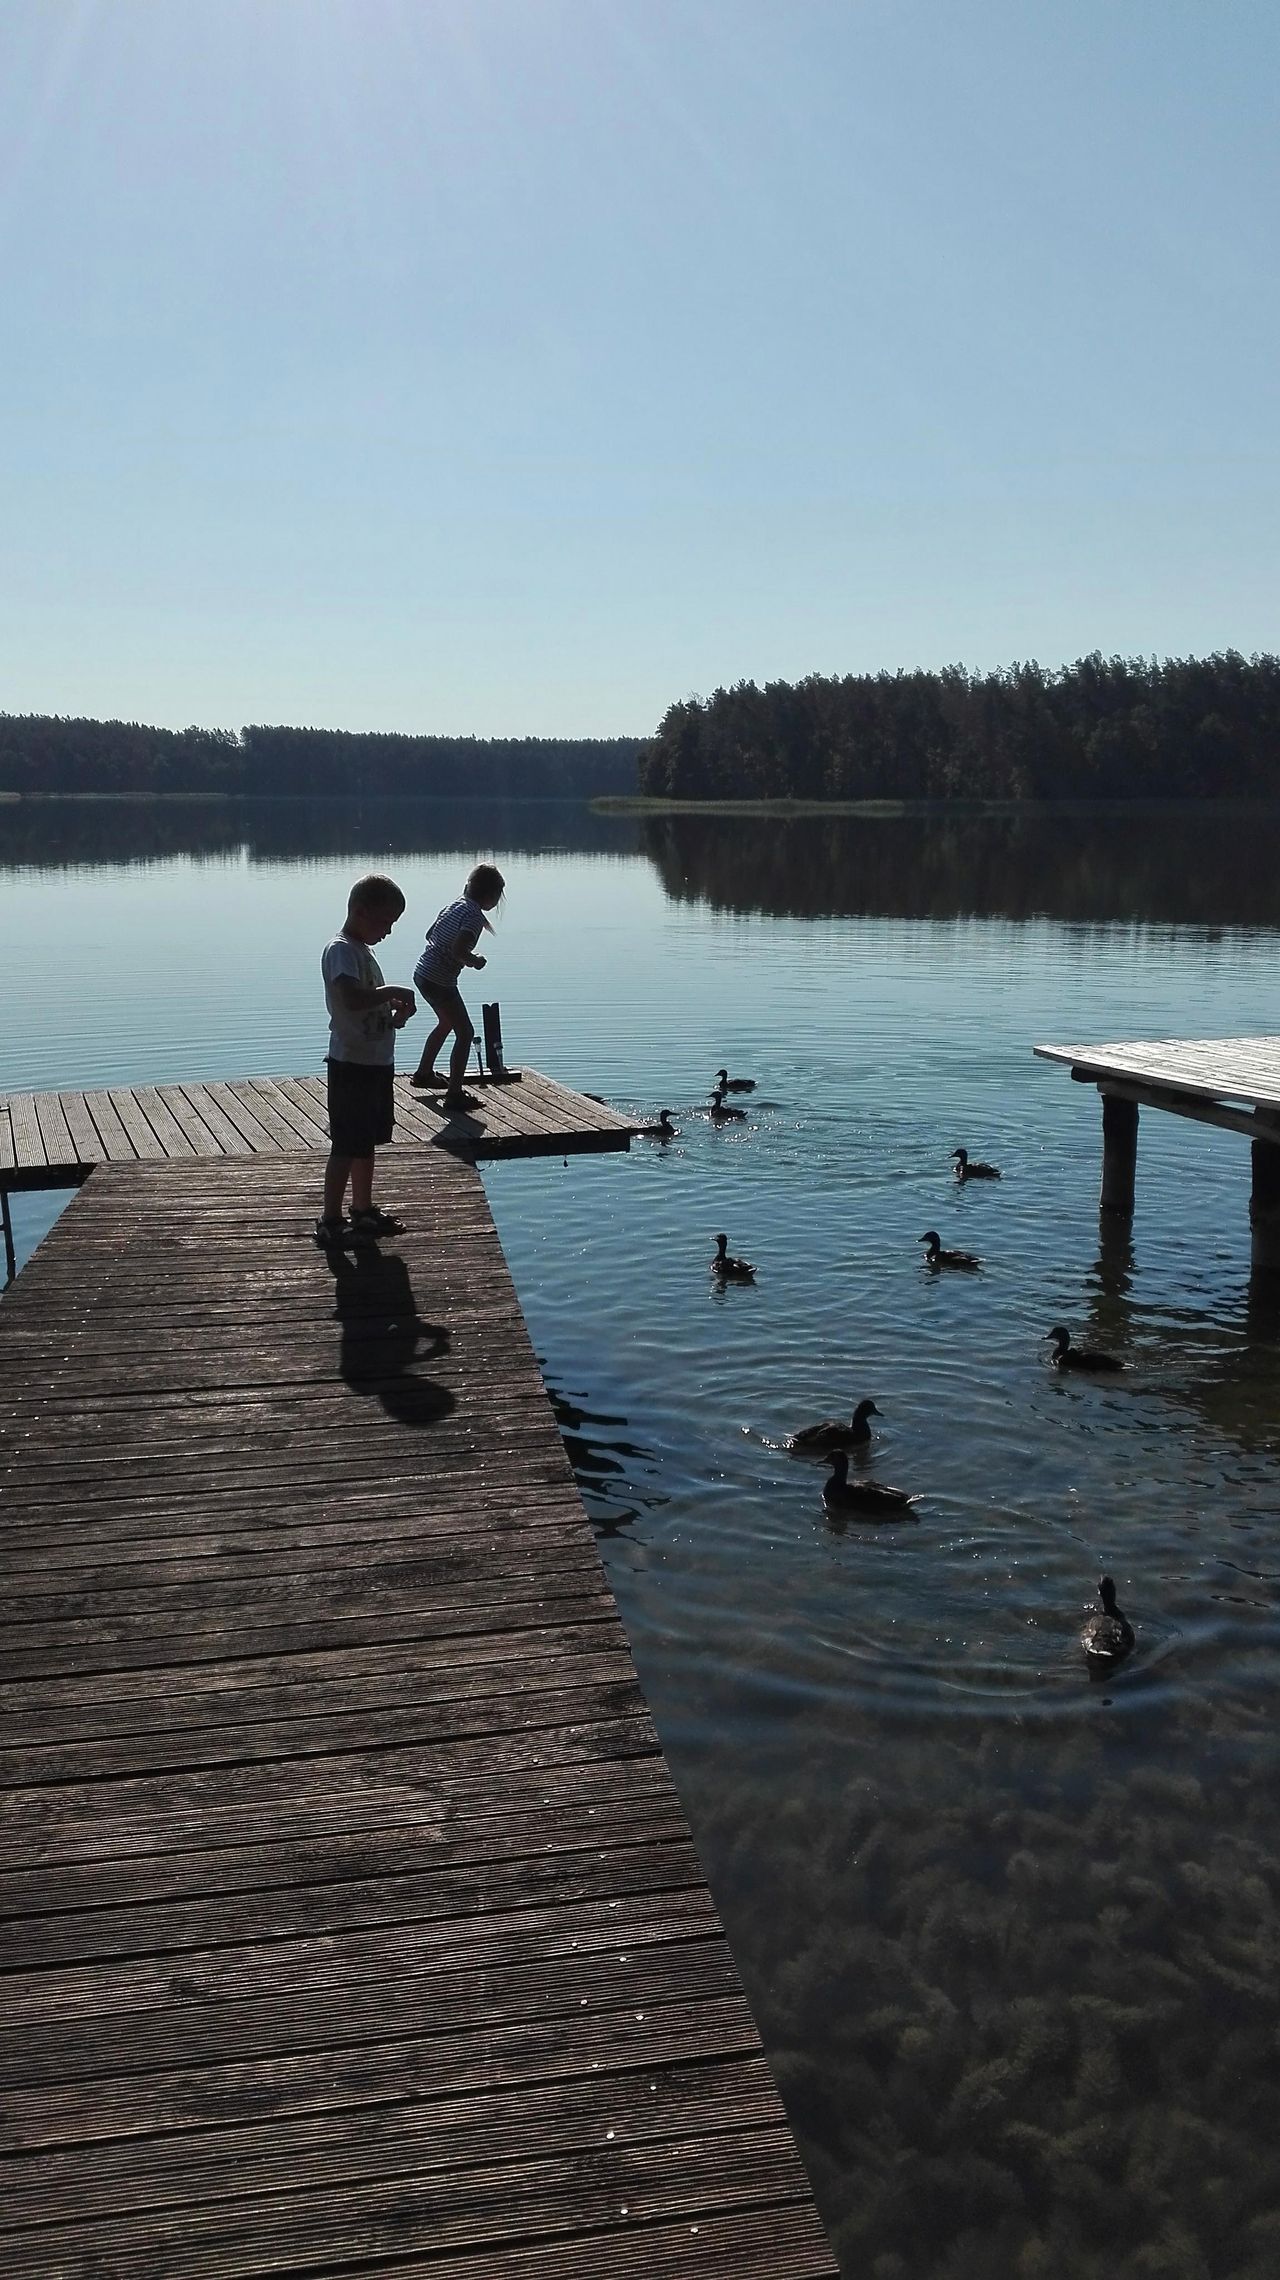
(1204,866)
(58,834)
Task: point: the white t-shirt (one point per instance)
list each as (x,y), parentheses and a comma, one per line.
(369,1036)
(441,960)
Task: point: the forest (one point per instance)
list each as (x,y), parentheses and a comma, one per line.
(43,753)
(1109,728)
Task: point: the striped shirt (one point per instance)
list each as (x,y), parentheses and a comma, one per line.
(442,958)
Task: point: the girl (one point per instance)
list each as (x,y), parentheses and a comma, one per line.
(451,945)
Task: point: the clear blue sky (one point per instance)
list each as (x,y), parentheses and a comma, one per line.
(507,366)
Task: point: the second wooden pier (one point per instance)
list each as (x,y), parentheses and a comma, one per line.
(1231,1082)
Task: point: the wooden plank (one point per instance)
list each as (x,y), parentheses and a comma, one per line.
(288,2154)
(426,1725)
(474,2208)
(85,1140)
(251,1096)
(652,1927)
(173,1140)
(305,1895)
(129,1113)
(1244,1068)
(118,1147)
(231,1141)
(240,1115)
(295,1107)
(189,1121)
(511,2053)
(59,1147)
(301,1121)
(28,1141)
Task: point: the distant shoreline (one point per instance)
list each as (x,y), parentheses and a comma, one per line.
(623,803)
(633,804)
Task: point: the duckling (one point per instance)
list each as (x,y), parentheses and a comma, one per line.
(966,1169)
(873,1498)
(664,1129)
(726,1083)
(937,1257)
(719,1114)
(1108,1636)
(727,1269)
(1069,1357)
(817,1440)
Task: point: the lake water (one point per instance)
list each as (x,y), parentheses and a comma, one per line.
(1010,1936)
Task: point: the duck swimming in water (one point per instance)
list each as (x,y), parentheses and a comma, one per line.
(664,1129)
(819,1440)
(726,1083)
(1068,1357)
(1108,1635)
(968,1169)
(727,1269)
(719,1114)
(874,1499)
(937,1257)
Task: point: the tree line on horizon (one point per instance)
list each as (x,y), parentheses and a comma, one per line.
(1103,728)
(46,753)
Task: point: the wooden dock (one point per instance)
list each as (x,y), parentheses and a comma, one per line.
(1230,1082)
(350,1919)
(54,1139)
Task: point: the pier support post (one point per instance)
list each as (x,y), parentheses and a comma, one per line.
(10,1258)
(1264,1205)
(1119,1155)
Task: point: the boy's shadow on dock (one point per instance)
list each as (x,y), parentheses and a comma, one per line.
(383,1336)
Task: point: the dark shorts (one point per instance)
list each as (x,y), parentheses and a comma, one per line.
(362,1111)
(445,998)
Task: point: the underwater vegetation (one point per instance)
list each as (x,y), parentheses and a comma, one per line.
(1027,2020)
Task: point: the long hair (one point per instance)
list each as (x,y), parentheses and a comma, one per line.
(485,881)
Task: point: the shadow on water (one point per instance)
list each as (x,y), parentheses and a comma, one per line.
(385,1340)
(603,1461)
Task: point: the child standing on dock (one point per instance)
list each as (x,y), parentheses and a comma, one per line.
(451,944)
(364,1015)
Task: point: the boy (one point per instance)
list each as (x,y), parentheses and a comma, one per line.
(364,1014)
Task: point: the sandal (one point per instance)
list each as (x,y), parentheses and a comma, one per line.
(375,1222)
(332,1234)
(429,1082)
(455,1102)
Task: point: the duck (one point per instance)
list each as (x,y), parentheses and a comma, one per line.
(1069,1357)
(817,1440)
(727,1269)
(968,1169)
(937,1257)
(664,1129)
(872,1498)
(719,1114)
(1108,1635)
(726,1083)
